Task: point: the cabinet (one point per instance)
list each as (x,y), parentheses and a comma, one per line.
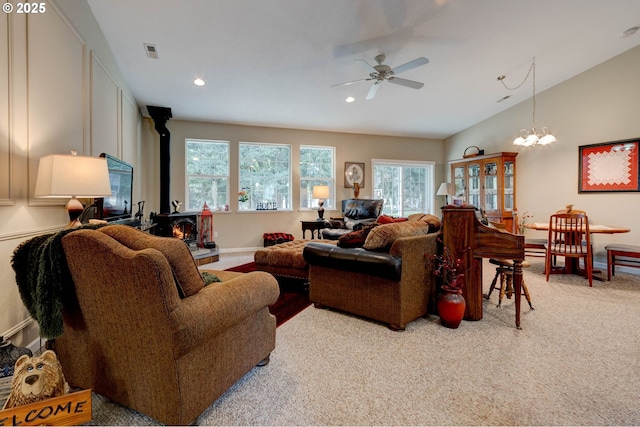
(488,182)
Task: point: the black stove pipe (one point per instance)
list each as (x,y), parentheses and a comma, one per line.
(160,116)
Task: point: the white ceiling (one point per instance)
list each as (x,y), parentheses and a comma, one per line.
(272,62)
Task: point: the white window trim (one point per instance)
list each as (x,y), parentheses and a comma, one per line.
(332,189)
(270,144)
(392,162)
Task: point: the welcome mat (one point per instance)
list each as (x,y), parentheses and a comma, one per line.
(294,296)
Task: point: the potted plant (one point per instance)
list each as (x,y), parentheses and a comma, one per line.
(451,304)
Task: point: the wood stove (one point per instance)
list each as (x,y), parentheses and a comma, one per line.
(183,225)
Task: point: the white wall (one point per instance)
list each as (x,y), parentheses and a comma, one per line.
(65,92)
(238,230)
(599,105)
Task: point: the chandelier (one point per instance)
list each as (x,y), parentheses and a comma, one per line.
(525,137)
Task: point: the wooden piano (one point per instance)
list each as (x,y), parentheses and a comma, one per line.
(461,229)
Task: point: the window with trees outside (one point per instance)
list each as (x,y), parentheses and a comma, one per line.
(207,174)
(265,176)
(317,167)
(405,186)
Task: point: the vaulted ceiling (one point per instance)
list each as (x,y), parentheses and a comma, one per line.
(273,62)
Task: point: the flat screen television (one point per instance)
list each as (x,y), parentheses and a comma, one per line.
(117,206)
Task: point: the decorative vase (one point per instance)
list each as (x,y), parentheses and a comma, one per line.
(451,306)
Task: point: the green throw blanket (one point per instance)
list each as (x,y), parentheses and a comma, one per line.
(44,280)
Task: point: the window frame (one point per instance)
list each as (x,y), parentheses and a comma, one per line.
(212,204)
(330,181)
(289,178)
(429,165)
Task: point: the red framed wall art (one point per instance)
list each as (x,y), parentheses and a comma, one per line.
(610,166)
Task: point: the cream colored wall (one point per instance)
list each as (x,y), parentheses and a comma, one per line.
(599,105)
(65,92)
(238,230)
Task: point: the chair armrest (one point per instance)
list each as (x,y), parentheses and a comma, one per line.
(219,306)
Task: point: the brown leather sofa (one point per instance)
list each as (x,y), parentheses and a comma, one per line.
(394,287)
(144,331)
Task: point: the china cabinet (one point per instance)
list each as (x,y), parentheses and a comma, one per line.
(488,182)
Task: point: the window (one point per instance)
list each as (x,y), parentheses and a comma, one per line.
(207,166)
(405,186)
(316,168)
(265,175)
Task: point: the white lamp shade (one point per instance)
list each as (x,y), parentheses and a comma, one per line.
(68,176)
(445,189)
(320,192)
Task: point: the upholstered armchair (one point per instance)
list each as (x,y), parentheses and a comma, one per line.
(143,330)
(355,214)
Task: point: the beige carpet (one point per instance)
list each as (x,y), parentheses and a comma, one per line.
(576,362)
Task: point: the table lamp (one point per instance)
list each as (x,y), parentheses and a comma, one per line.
(320,192)
(446,190)
(63,176)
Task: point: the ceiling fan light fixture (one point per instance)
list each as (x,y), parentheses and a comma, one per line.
(349,99)
(199,82)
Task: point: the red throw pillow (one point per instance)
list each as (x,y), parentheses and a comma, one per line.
(386,219)
(355,239)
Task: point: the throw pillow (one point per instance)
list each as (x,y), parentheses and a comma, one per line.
(355,239)
(209,278)
(386,219)
(432,220)
(383,236)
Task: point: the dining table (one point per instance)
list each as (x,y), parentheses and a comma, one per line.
(571,268)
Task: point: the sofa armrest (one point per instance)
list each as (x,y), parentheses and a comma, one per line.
(219,306)
(417,266)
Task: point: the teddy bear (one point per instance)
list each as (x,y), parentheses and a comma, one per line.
(36,378)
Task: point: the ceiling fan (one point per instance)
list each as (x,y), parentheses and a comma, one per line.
(381,72)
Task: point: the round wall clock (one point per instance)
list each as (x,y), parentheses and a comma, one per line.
(353,173)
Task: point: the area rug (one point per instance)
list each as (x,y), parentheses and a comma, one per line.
(294,296)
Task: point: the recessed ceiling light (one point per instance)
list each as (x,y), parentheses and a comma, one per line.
(631,31)
(350,99)
(198,82)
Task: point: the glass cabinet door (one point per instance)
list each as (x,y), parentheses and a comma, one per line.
(474,185)
(459,180)
(491,186)
(509,186)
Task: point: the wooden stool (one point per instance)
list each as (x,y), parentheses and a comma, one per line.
(504,271)
(625,255)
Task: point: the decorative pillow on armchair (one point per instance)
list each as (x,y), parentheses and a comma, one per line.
(386,219)
(356,239)
(383,236)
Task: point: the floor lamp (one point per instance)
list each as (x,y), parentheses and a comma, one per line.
(72,176)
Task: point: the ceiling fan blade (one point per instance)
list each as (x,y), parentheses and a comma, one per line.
(404,82)
(373,90)
(369,66)
(409,65)
(351,82)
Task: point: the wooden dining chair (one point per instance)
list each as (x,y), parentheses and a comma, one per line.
(569,237)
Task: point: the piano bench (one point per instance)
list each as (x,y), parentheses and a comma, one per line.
(624,255)
(504,272)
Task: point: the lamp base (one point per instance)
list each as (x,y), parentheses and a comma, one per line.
(321,210)
(74,209)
